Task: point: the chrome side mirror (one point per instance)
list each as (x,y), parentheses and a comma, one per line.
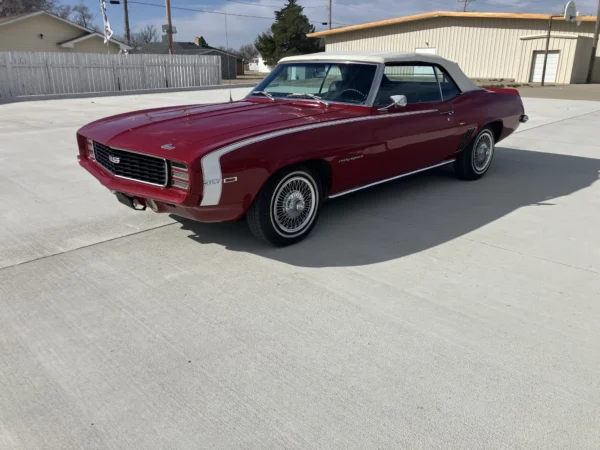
(397,100)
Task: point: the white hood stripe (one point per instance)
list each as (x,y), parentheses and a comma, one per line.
(212,173)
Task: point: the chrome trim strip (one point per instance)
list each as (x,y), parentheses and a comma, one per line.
(179,166)
(349,191)
(212,174)
(437,80)
(132,151)
(131,179)
(370,101)
(309,100)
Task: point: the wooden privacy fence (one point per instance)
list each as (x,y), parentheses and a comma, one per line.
(51,73)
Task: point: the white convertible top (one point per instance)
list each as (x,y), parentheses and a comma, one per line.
(375,57)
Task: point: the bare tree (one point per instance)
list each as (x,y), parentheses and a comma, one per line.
(81,15)
(62,11)
(14,7)
(231,51)
(146,35)
(248,52)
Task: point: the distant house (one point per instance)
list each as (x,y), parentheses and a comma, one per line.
(231,65)
(44,32)
(258,65)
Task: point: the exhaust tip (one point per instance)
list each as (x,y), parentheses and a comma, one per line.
(524,118)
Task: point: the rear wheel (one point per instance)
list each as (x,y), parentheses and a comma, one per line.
(476,159)
(286,209)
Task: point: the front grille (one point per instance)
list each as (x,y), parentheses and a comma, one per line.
(133,166)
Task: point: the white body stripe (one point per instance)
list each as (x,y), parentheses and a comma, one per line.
(211,163)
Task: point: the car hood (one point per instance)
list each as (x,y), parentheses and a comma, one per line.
(187,132)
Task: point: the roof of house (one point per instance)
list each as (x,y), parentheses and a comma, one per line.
(6,19)
(71,42)
(180,47)
(378,57)
(91,33)
(161,48)
(437,14)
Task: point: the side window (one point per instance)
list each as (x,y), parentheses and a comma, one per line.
(448,87)
(417,82)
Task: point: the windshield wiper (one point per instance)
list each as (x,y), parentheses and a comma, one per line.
(266,94)
(313,96)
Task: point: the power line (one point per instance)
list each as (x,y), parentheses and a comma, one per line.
(270,6)
(216,12)
(201,10)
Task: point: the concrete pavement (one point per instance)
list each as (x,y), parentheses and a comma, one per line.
(422,314)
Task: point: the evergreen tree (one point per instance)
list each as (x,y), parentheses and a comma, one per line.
(287,36)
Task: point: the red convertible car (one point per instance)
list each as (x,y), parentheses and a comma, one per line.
(317,127)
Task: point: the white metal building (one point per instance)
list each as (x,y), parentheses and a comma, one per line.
(485,45)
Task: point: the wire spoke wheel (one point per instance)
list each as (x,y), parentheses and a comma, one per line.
(287,207)
(294,205)
(483,151)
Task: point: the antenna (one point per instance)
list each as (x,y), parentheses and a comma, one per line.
(228,62)
(571,13)
(466,3)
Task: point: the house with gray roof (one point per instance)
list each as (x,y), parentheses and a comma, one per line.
(231,65)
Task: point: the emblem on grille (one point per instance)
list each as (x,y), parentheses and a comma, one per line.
(114,159)
(168,147)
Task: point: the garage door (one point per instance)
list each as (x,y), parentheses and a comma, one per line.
(538,67)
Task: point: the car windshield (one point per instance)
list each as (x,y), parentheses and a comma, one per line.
(331,82)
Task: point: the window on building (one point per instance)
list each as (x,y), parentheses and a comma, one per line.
(417,82)
(449,88)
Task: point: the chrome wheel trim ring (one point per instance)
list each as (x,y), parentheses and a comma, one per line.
(294,204)
(483,152)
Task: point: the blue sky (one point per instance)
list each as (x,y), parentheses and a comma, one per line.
(243,30)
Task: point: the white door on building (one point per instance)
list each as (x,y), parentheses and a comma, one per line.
(538,67)
(431,51)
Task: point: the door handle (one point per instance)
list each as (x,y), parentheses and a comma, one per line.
(449,113)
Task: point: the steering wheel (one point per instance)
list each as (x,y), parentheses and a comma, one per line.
(364,97)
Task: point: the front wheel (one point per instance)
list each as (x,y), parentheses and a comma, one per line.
(476,159)
(286,208)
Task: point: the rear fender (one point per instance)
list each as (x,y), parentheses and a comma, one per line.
(522,116)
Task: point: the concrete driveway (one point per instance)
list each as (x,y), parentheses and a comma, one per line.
(423,314)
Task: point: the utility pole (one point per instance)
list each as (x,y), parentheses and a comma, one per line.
(169,26)
(331,3)
(594,47)
(127,33)
(552,16)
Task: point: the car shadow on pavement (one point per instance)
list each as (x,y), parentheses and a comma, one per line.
(413,214)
